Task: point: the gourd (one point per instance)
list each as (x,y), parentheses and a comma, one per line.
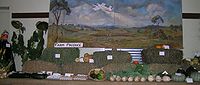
(178,78)
(195,76)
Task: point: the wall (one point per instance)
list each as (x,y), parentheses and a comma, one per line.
(4,16)
(191,28)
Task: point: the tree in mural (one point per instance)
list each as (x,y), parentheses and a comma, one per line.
(57,7)
(157,20)
(158,33)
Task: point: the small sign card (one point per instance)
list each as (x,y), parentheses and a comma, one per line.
(178,74)
(57,55)
(68,45)
(109,57)
(69,74)
(8,45)
(91,60)
(162,53)
(189,80)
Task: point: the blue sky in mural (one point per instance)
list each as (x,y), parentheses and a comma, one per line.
(125,13)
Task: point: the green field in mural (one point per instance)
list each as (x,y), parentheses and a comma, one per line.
(116,23)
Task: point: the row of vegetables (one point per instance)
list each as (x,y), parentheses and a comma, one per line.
(141,73)
(138,74)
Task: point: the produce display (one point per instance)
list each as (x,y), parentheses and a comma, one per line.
(195,76)
(97,74)
(178,77)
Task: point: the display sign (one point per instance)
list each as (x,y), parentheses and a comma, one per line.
(68,45)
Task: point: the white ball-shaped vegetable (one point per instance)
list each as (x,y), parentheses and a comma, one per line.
(158,79)
(137,78)
(118,78)
(151,78)
(130,79)
(143,79)
(112,78)
(166,78)
(124,78)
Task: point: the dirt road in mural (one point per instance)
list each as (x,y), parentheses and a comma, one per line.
(116,37)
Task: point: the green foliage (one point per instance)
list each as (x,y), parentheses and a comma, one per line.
(139,70)
(67,55)
(18,41)
(35,43)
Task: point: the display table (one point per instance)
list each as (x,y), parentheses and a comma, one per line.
(87,82)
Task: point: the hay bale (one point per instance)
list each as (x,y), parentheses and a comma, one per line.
(38,66)
(67,55)
(100,58)
(172,56)
(170,68)
(82,68)
(115,67)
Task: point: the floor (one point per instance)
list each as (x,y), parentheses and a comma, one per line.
(87,82)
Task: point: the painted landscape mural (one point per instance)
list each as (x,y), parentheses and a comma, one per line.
(116,23)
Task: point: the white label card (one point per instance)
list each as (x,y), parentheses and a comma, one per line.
(162,53)
(109,57)
(178,74)
(57,55)
(189,80)
(91,60)
(69,74)
(81,60)
(8,45)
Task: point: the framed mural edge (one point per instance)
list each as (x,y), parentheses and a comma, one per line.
(116,23)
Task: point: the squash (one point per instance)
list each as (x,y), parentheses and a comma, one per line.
(195,76)
(178,78)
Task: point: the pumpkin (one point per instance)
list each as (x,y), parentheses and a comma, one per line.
(195,76)
(87,57)
(178,78)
